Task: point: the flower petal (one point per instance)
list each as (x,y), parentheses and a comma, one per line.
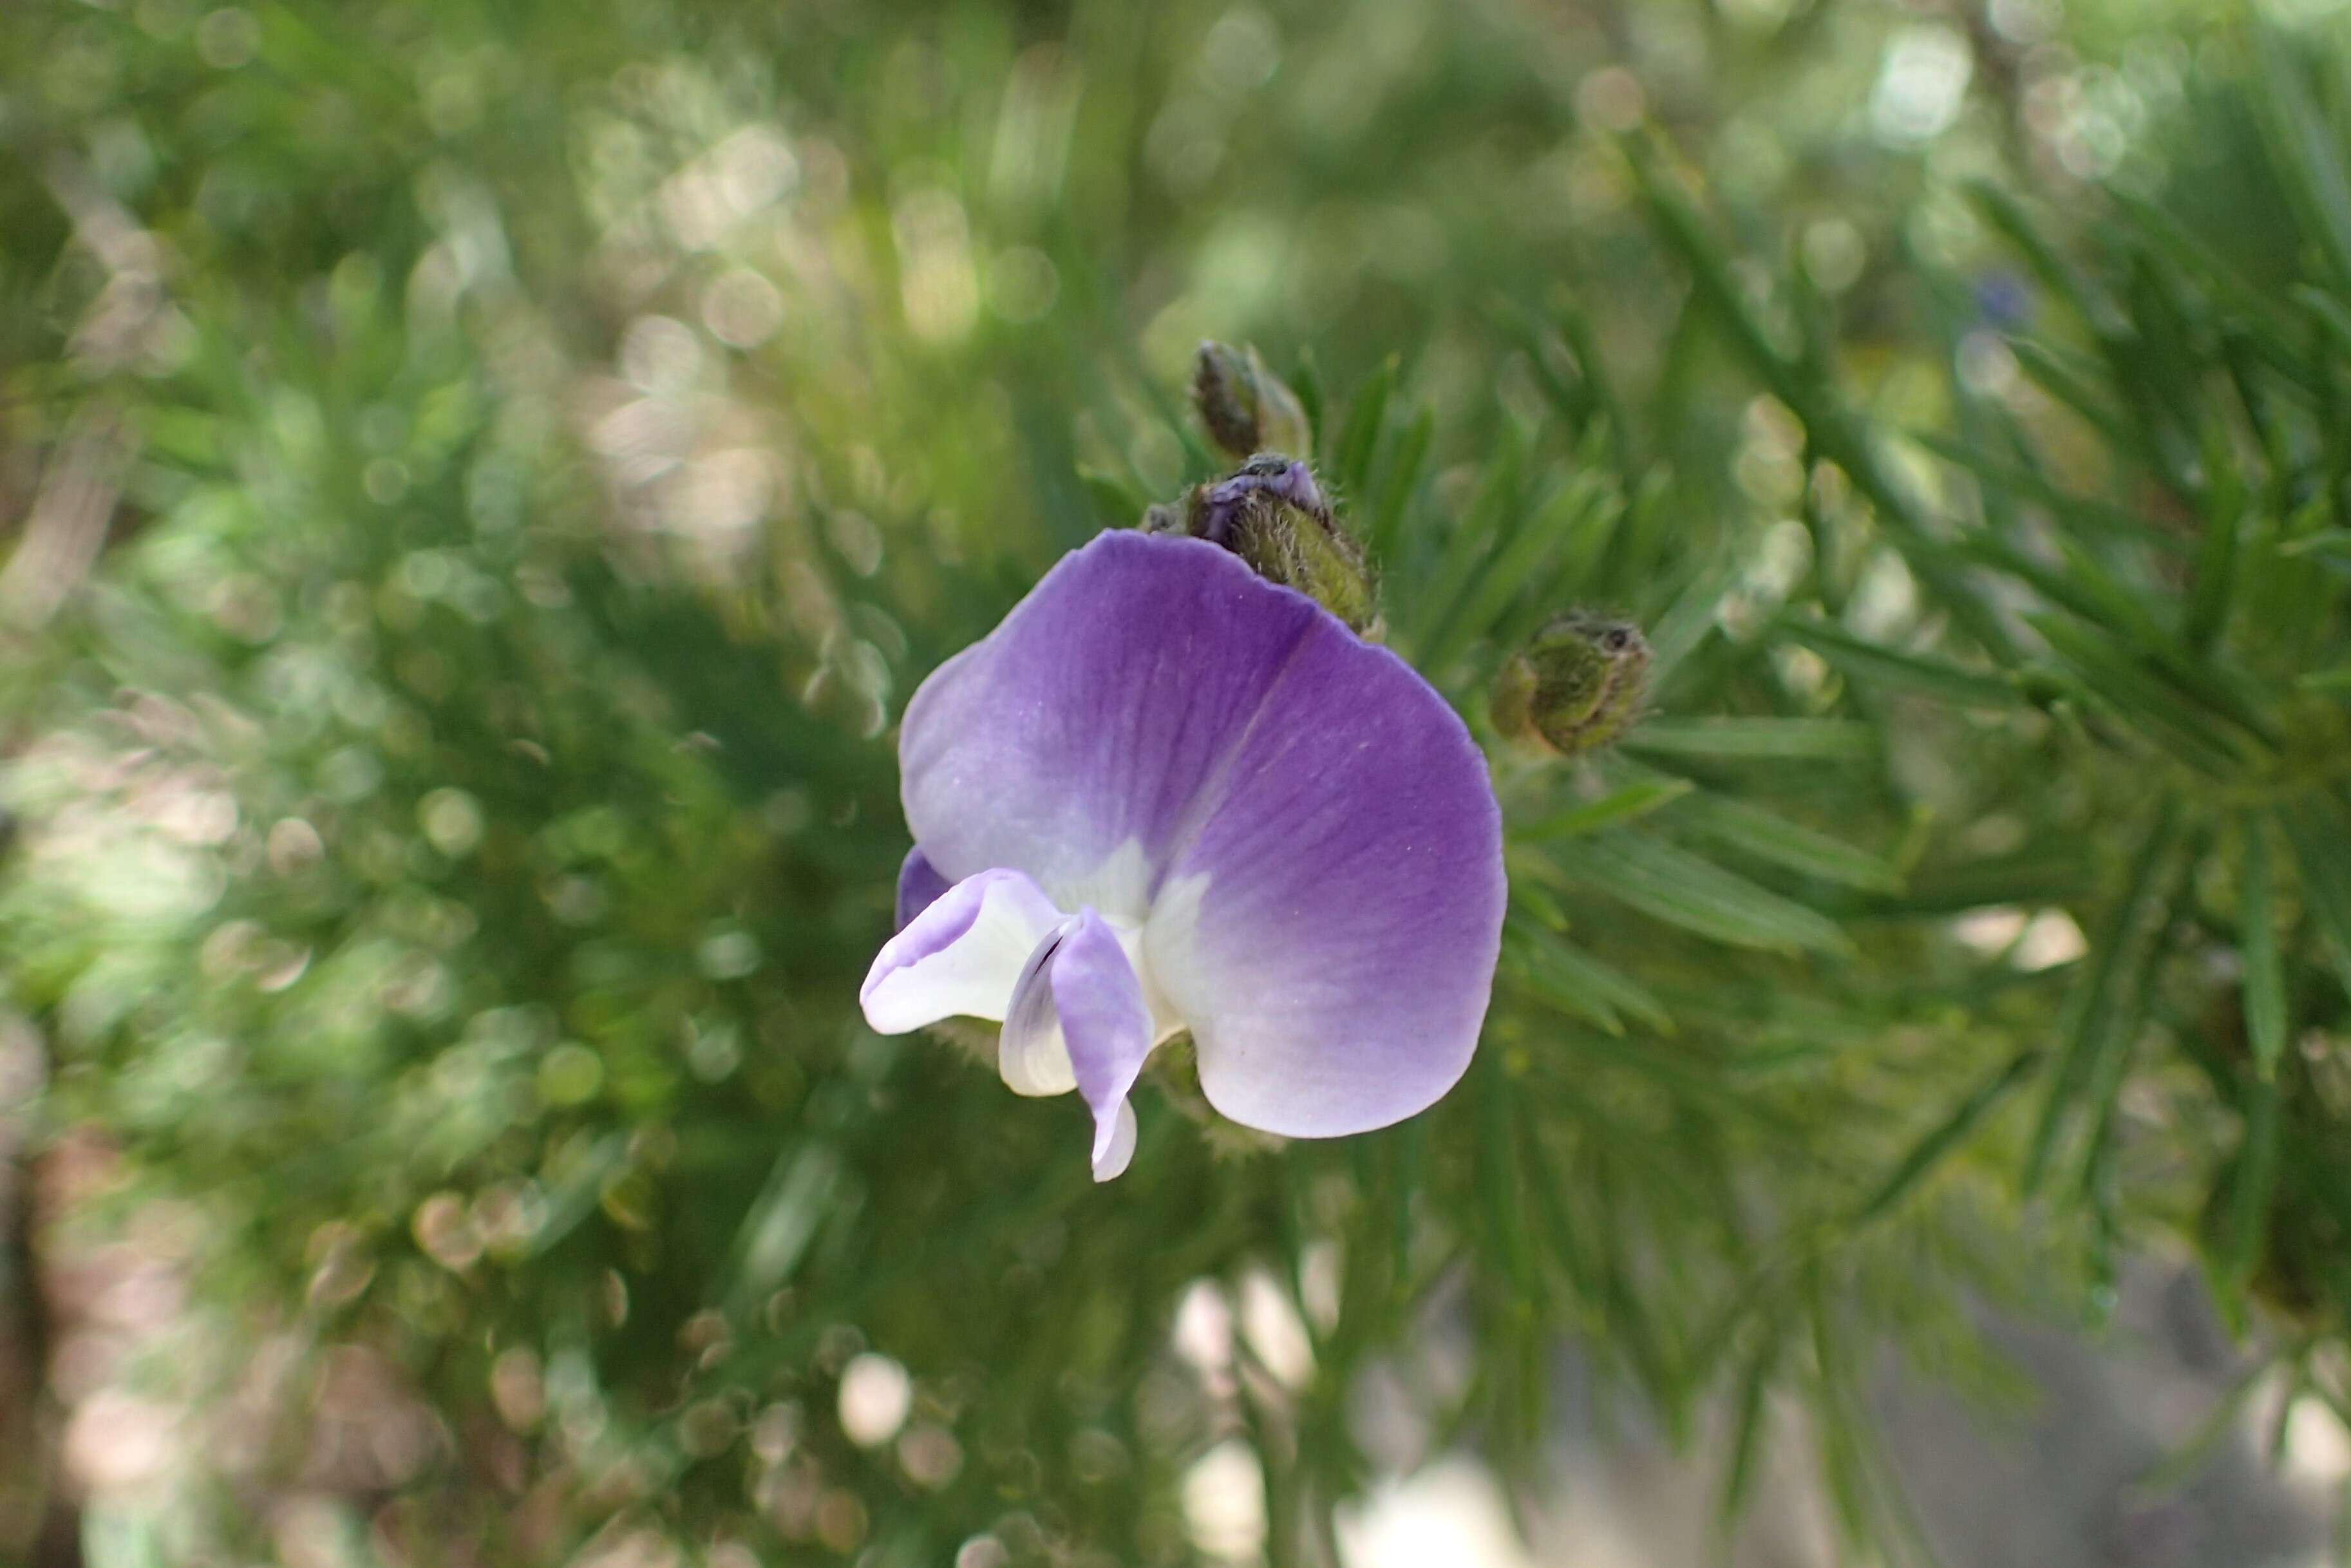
(1304,825)
(1078,1021)
(1031,1057)
(1330,932)
(1112,1157)
(1097,717)
(919,886)
(1107,1027)
(961,956)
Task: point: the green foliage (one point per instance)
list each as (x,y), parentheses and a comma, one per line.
(490,476)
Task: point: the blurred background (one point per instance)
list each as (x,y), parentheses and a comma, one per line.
(479,481)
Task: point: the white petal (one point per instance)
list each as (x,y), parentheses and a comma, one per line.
(961,956)
(1078,1021)
(1031,1054)
(1111,1159)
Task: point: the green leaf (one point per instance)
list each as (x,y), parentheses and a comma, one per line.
(1710,270)
(2219,1427)
(1673,886)
(2308,151)
(2098,1024)
(1548,1192)
(2270,326)
(1830,428)
(2265,985)
(2099,1175)
(573,1195)
(2322,849)
(1909,672)
(1576,328)
(1569,581)
(1570,399)
(1750,1411)
(1689,620)
(1397,482)
(1359,437)
(2007,214)
(2326,541)
(1757,739)
(2251,1186)
(1836,1431)
(2135,692)
(1638,800)
(2215,582)
(2099,519)
(1120,504)
(1986,548)
(1949,1134)
(1306,380)
(2037,876)
(1774,839)
(1535,900)
(2331,316)
(1506,574)
(1571,979)
(1464,547)
(2201,676)
(1498,1102)
(1632,1327)
(776,1233)
(2069,382)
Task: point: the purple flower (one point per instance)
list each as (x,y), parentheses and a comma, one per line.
(1168,795)
(2004,300)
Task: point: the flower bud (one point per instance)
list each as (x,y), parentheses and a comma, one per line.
(1271,514)
(1245,407)
(1577,686)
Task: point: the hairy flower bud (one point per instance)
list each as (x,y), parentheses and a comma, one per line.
(1577,686)
(1245,407)
(1271,514)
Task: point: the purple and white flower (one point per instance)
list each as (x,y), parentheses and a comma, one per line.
(1166,795)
